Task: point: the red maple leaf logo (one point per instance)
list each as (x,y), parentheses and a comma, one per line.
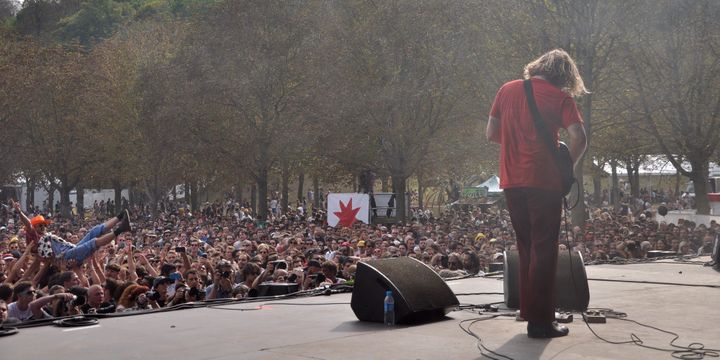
(346,214)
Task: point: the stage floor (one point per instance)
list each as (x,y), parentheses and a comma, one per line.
(324,327)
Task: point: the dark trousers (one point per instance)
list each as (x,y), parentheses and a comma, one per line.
(535,216)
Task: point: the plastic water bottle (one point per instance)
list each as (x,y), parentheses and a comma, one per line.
(389,311)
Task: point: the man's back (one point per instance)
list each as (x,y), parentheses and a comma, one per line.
(525,160)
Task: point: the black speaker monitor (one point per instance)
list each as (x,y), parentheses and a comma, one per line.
(571,286)
(420,294)
(274,289)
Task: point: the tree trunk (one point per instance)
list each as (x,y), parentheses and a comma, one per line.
(399,186)
(284,187)
(253,199)
(636,180)
(699,177)
(154,194)
(633,178)
(239,193)
(117,188)
(421,193)
(51,197)
(132,196)
(262,192)
(615,189)
(316,190)
(597,190)
(80,201)
(384,181)
(193,196)
(301,185)
(65,200)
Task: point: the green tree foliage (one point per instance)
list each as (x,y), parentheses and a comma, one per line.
(675,75)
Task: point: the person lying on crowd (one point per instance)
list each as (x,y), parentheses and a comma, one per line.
(52,246)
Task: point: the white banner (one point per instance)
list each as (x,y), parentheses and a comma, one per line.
(345,209)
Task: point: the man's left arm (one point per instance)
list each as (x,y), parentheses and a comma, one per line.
(492,131)
(578,142)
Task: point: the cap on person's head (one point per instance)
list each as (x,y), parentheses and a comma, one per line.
(7,257)
(314,263)
(361,243)
(345,243)
(39,220)
(162,280)
(493,240)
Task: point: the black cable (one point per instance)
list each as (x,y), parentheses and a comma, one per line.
(577,199)
(622,261)
(76,321)
(480,344)
(656,283)
(480,293)
(7,331)
(262,305)
(691,351)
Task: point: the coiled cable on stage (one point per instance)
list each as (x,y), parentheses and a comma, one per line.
(76,321)
(7,331)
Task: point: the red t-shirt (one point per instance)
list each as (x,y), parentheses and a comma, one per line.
(525,160)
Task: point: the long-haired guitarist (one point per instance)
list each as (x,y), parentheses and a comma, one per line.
(531,179)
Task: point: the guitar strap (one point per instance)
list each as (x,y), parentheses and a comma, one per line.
(539,123)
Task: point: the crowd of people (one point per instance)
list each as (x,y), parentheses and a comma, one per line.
(134,261)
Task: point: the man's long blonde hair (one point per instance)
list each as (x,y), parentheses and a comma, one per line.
(557,67)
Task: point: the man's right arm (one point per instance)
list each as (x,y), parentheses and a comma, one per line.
(23,217)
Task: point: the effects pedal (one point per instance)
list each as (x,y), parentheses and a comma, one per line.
(594,317)
(563,317)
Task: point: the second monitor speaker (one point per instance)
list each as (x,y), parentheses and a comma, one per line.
(571,285)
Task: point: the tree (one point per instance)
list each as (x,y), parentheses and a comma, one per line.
(251,62)
(403,85)
(676,73)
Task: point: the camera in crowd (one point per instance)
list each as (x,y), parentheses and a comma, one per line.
(180,249)
(78,300)
(152,295)
(318,278)
(79,296)
(225,274)
(280,264)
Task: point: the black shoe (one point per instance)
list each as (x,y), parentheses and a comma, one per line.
(546,330)
(124,224)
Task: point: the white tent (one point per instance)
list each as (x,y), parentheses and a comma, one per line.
(492,184)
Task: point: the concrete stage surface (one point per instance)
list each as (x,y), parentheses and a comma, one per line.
(324,327)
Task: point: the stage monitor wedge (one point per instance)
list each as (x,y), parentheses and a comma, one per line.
(420,294)
(571,285)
